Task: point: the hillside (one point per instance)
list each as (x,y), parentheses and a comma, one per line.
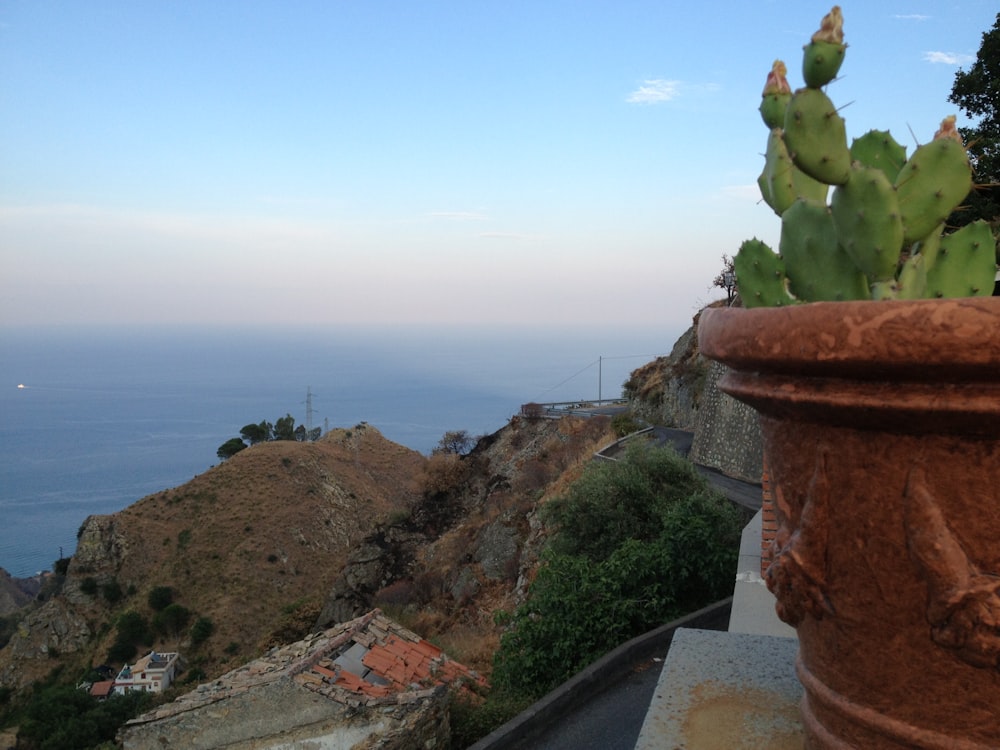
(251,544)
(264,542)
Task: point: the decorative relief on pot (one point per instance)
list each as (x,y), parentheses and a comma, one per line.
(963,603)
(797,574)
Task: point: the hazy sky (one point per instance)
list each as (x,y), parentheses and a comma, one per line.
(485,162)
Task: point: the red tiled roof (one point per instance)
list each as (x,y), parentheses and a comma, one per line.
(102,689)
(392,655)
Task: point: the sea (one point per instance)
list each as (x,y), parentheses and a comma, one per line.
(94,419)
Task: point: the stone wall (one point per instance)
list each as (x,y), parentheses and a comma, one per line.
(727,432)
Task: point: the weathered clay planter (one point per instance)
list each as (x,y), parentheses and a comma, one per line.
(881,424)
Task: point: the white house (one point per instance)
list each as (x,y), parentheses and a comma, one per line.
(153,673)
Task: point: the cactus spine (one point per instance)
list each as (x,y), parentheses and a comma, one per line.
(883,234)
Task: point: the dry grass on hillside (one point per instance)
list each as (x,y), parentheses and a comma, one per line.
(255,543)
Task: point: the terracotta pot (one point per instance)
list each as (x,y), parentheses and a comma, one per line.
(881,425)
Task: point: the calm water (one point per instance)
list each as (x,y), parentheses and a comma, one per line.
(107,417)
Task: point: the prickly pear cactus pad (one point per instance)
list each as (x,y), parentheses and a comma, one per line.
(884,234)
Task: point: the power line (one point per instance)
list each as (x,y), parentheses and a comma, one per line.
(596,362)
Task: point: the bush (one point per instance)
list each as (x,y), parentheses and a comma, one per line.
(89,586)
(230,448)
(473,718)
(133,627)
(63,717)
(638,543)
(172,620)
(458,442)
(132,631)
(160,598)
(112,592)
(122,652)
(624,424)
(201,630)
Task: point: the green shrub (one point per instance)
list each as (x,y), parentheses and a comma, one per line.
(613,501)
(133,627)
(63,717)
(624,424)
(472,718)
(89,586)
(122,652)
(201,630)
(172,620)
(112,592)
(160,598)
(638,543)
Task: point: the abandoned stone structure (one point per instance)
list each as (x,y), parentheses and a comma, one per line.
(368,683)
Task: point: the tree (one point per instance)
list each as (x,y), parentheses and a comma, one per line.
(171,620)
(726,278)
(257,433)
(230,448)
(201,630)
(160,597)
(284,428)
(458,442)
(977,92)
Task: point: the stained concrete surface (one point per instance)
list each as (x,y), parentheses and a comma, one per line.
(725,691)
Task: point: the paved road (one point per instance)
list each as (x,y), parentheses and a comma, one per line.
(610,721)
(612,718)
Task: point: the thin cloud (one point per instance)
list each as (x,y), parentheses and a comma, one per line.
(459,215)
(911,17)
(504,236)
(654,91)
(948,58)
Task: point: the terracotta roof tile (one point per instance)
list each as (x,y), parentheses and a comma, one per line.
(397,666)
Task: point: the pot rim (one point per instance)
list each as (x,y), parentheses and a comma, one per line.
(935,339)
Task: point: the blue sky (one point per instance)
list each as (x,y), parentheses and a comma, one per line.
(488,163)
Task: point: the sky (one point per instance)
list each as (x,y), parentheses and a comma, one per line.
(551,162)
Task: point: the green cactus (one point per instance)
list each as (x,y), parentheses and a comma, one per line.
(966,263)
(883,236)
(782,182)
(877,148)
(932,184)
(763,282)
(825,52)
(816,137)
(866,218)
(818,268)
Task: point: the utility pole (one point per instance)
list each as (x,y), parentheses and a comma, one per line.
(309,409)
(600,374)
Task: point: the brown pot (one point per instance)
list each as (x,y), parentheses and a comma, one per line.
(881,426)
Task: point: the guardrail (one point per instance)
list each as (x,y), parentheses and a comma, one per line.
(554,409)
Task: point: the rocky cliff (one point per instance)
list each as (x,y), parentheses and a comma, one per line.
(681,390)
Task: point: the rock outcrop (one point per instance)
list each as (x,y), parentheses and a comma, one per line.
(681,390)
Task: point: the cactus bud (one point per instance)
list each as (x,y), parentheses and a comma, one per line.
(831,28)
(825,53)
(948,130)
(776,94)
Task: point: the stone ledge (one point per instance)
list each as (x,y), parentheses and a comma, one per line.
(725,691)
